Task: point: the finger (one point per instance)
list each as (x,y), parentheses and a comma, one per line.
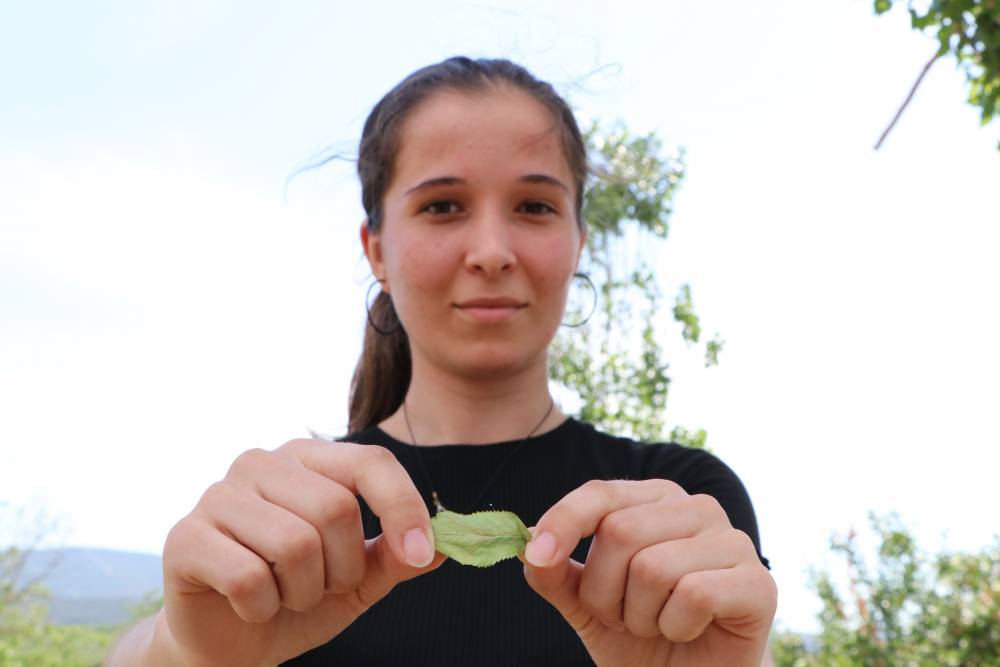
(288,544)
(374,473)
(655,572)
(382,573)
(324,504)
(741,600)
(623,534)
(549,570)
(202,558)
(578,514)
(559,586)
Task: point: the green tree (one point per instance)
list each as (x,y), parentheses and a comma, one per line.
(969,30)
(910,609)
(27,638)
(615,362)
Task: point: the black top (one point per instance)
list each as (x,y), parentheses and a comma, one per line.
(464,615)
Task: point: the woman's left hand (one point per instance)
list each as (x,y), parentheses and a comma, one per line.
(683,587)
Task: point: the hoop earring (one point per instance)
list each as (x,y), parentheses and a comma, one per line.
(593,308)
(369,312)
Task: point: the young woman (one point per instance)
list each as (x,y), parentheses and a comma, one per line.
(320,553)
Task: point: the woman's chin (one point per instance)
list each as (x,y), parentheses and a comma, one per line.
(492,362)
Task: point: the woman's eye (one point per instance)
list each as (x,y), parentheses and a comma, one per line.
(538,208)
(442,207)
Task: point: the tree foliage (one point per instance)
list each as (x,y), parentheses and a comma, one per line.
(970,31)
(27,637)
(910,609)
(615,361)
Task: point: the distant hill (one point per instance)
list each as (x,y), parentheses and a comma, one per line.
(94,586)
(98,586)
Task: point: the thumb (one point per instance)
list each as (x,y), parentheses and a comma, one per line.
(559,584)
(383,570)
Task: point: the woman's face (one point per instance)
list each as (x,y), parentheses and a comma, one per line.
(480,207)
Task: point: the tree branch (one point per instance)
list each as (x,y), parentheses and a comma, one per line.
(908,98)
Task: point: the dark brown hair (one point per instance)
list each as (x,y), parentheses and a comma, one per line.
(382,375)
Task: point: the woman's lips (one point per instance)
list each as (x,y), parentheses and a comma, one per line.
(494,314)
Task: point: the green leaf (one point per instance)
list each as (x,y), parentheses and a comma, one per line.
(882,6)
(481,539)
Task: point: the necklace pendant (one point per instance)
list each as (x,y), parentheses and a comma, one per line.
(437,503)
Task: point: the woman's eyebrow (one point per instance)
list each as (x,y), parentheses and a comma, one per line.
(544,179)
(435,182)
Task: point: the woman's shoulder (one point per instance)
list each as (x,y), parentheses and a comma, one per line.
(694,469)
(656,458)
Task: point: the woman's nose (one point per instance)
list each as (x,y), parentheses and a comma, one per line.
(490,248)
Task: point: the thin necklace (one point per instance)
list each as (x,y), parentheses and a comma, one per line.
(437,501)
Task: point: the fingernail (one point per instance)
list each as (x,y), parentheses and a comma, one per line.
(417,548)
(541,550)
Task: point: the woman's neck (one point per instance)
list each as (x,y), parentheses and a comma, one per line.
(444,409)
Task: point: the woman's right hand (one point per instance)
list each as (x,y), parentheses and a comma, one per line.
(272,561)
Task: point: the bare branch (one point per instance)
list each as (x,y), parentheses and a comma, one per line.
(908,98)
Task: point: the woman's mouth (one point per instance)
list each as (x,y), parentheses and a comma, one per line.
(491,308)
(490,313)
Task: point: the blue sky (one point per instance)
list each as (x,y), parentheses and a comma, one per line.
(166,303)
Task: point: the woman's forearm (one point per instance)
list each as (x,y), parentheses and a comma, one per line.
(768,660)
(146,644)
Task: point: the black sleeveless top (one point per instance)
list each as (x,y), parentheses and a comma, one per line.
(462,615)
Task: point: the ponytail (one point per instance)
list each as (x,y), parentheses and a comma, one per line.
(382,375)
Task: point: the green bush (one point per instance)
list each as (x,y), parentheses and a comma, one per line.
(911,610)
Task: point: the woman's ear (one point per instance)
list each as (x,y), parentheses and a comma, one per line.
(583,244)
(372,244)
